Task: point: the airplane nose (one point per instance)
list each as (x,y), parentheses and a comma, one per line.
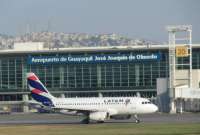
(155,108)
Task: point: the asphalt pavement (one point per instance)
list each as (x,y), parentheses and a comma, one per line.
(39,118)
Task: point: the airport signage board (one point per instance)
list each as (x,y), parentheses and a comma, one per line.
(106,58)
(181,51)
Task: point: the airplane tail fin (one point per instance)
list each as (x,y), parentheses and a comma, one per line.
(38,91)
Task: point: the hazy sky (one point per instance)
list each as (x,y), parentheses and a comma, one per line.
(133,18)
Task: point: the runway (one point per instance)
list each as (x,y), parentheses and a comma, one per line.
(38,118)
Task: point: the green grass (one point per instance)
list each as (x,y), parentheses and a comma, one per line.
(102,129)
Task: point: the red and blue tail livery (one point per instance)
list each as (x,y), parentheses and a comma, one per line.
(38,91)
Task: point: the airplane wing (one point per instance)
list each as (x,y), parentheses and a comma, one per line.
(85,111)
(74,110)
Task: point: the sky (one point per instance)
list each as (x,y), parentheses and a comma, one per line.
(146,19)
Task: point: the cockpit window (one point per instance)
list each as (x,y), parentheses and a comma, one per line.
(145,102)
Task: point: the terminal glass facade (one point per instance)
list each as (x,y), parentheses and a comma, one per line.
(121,77)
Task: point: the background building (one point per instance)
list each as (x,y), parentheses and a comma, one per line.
(89,71)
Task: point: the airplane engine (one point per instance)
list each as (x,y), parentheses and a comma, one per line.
(120,117)
(99,116)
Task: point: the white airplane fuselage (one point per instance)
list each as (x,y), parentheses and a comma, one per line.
(113,105)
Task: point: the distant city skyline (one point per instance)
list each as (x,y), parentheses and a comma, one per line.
(132,18)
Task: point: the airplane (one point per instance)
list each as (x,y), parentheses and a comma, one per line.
(97,109)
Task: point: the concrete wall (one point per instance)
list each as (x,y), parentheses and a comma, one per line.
(181,74)
(29,46)
(162,94)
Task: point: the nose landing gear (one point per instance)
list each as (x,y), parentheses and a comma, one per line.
(136,119)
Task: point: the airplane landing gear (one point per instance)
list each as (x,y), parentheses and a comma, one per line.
(136,119)
(100,121)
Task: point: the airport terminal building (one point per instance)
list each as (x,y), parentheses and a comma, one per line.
(85,72)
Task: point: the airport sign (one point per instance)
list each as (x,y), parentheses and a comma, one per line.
(72,59)
(181,51)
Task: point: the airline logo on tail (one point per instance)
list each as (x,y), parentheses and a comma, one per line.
(38,91)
